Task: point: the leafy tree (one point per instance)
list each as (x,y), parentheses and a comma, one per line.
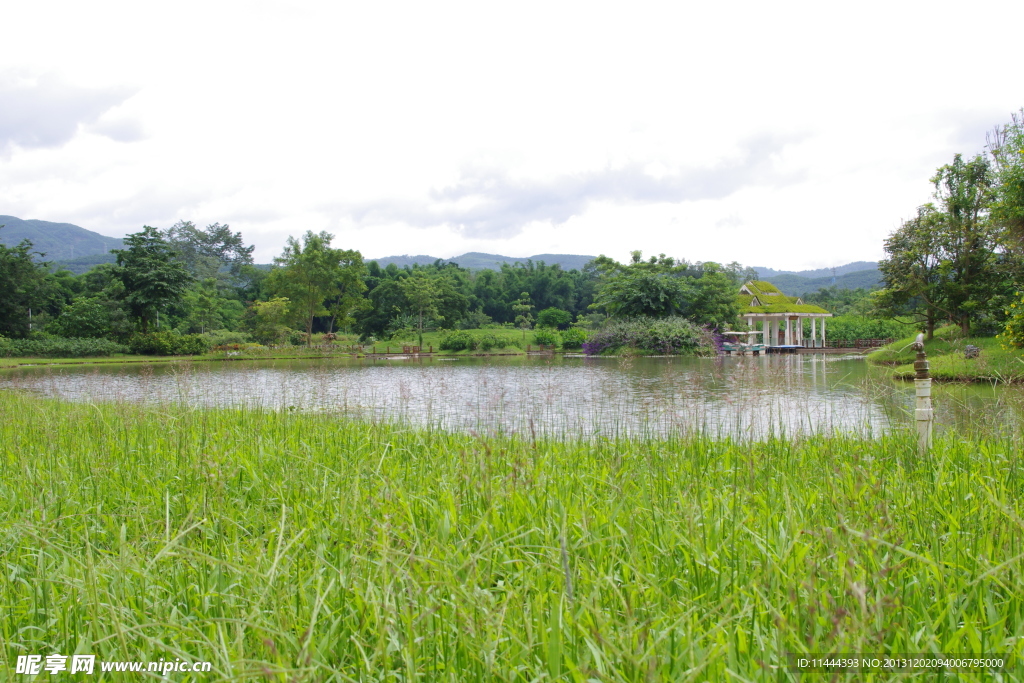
(1006,145)
(24,288)
(638,293)
(972,266)
(386,302)
(205,252)
(349,286)
(554,317)
(951,258)
(204,305)
(653,288)
(92,317)
(711,298)
(311,273)
(269,318)
(152,276)
(423,296)
(912,273)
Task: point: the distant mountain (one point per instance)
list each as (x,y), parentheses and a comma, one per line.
(62,243)
(771,274)
(796,285)
(476,260)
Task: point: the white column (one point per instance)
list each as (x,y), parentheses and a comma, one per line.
(823,332)
(814,331)
(789,331)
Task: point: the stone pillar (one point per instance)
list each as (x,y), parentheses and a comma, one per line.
(814,331)
(823,332)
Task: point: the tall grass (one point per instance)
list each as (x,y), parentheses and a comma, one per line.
(293,546)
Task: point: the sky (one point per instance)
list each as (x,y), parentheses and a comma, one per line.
(788,135)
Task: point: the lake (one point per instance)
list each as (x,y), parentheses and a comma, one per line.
(746,397)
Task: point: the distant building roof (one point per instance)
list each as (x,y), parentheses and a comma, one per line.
(760,296)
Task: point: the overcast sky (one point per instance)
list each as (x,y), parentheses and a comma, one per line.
(787,135)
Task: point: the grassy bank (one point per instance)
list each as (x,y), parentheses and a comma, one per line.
(947,362)
(287,546)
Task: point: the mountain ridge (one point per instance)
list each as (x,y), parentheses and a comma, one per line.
(59,242)
(77,249)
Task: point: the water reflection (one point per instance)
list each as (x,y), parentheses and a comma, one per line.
(738,396)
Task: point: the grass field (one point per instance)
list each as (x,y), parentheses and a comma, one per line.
(947,362)
(299,547)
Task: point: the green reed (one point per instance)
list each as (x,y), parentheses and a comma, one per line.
(291,546)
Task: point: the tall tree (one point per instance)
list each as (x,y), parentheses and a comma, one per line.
(972,265)
(152,275)
(310,273)
(1006,145)
(952,258)
(711,298)
(206,251)
(424,295)
(23,288)
(914,281)
(349,286)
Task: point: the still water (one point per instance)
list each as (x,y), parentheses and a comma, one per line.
(738,396)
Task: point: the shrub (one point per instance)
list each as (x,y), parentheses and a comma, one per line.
(458,340)
(674,334)
(574,337)
(546,336)
(491,341)
(474,320)
(60,347)
(168,344)
(1013,332)
(226,338)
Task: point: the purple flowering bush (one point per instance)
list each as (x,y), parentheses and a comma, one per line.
(672,335)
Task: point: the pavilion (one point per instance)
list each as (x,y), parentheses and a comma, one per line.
(781,317)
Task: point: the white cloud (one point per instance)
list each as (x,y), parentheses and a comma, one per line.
(783,135)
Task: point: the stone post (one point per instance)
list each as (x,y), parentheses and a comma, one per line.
(923,409)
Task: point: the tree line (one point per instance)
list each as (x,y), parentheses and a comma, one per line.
(187,280)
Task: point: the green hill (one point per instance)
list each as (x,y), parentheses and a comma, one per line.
(60,242)
(795,285)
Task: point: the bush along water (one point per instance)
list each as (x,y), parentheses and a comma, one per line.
(574,337)
(59,347)
(168,344)
(672,335)
(546,337)
(461,340)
